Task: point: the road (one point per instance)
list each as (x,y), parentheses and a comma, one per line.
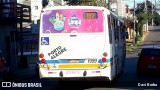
(127,80)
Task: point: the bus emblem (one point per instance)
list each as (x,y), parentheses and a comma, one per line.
(74,21)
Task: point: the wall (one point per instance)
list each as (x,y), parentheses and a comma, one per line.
(6,45)
(121,8)
(36,7)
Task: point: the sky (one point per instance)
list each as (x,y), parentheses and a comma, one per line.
(131,2)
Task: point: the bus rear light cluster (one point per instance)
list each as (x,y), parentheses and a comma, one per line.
(105,54)
(42,56)
(43,60)
(104,59)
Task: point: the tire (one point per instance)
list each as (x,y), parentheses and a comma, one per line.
(138,73)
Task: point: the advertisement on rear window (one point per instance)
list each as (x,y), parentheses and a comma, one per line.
(73,21)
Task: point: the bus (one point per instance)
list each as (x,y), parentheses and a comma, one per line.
(81,42)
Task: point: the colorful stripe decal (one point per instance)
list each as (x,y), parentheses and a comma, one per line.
(61,61)
(66,61)
(81,65)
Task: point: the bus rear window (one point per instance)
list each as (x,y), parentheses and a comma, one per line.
(90,15)
(73,21)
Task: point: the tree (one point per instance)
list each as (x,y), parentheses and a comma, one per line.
(87,2)
(144,16)
(156,18)
(141,7)
(45,3)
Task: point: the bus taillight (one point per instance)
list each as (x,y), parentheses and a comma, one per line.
(41,55)
(43,60)
(104,59)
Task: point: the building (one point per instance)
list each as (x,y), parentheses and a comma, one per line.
(118,6)
(36,7)
(11,14)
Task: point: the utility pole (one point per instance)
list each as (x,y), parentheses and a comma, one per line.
(105,4)
(134,24)
(152,12)
(146,12)
(108,4)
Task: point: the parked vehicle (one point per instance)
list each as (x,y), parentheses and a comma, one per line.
(149,61)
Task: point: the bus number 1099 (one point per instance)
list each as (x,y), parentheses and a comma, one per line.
(94,60)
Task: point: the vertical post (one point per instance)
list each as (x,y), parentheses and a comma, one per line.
(134,24)
(108,4)
(105,3)
(152,12)
(21,31)
(21,37)
(146,12)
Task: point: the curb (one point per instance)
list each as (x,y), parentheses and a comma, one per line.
(145,36)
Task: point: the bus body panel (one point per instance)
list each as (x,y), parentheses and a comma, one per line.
(73,42)
(79,47)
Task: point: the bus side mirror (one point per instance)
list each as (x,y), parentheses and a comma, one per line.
(127,36)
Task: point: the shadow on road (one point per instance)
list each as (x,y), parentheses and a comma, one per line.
(126,80)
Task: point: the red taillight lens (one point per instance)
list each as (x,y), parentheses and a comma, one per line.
(104,59)
(105,54)
(43,60)
(41,55)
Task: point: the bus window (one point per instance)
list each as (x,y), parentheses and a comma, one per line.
(116,30)
(68,21)
(110,29)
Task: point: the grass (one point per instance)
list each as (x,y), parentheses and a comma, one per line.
(133,46)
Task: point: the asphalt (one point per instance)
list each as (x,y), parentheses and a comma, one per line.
(21,74)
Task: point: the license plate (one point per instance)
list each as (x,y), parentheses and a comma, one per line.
(72,72)
(152,67)
(73,61)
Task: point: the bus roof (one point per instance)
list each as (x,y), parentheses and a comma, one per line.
(83,7)
(74,7)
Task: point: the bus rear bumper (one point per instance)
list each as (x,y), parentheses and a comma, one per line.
(75,74)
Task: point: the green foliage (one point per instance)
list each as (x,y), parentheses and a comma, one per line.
(142,17)
(92,2)
(132,47)
(141,30)
(141,6)
(128,48)
(138,37)
(156,18)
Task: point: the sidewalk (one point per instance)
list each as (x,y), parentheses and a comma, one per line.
(129,42)
(21,74)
